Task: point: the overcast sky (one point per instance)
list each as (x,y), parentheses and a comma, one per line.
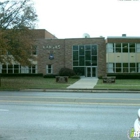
(73,18)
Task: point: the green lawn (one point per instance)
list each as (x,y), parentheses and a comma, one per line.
(119,84)
(16,83)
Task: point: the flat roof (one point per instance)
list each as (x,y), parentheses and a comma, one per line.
(124,37)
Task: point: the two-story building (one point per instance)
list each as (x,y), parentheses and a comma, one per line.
(89,57)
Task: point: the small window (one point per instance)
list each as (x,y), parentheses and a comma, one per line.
(125,47)
(138,48)
(75,48)
(110,47)
(132,67)
(125,67)
(132,47)
(118,67)
(49,69)
(118,47)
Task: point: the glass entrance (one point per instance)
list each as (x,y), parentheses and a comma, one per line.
(90,71)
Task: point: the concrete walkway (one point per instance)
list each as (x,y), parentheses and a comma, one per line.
(84,83)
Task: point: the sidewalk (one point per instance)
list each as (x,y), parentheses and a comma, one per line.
(84,83)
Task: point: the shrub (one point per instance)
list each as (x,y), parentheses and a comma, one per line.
(66,72)
(125,75)
(22,75)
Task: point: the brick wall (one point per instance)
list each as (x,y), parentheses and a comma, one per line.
(63,55)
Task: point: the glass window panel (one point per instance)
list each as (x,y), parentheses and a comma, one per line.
(132,64)
(125,69)
(49,66)
(81,50)
(4,66)
(75,63)
(94,60)
(94,49)
(88,63)
(88,55)
(75,48)
(79,71)
(81,60)
(132,47)
(49,70)
(16,68)
(118,64)
(125,47)
(87,47)
(10,68)
(110,47)
(132,70)
(125,64)
(118,69)
(75,55)
(118,47)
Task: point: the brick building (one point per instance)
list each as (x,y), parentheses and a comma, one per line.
(86,56)
(90,57)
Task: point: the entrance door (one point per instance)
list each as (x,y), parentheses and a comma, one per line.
(90,71)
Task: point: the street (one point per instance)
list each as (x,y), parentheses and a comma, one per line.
(67,116)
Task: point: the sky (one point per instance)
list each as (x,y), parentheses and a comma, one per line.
(73,18)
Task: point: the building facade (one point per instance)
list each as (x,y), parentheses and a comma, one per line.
(89,57)
(86,56)
(123,54)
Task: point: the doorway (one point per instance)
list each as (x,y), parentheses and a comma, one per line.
(91,72)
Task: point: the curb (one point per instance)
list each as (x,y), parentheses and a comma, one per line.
(82,90)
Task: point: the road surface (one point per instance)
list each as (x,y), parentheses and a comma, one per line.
(67,116)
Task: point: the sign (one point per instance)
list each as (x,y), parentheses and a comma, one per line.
(51,47)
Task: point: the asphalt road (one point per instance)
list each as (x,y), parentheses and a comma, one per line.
(67,116)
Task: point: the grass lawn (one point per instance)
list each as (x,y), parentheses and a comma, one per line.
(119,84)
(16,83)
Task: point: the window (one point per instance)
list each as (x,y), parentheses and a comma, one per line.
(94,49)
(138,48)
(75,55)
(118,67)
(10,68)
(81,60)
(16,69)
(81,50)
(118,47)
(138,67)
(4,68)
(85,55)
(24,69)
(75,48)
(132,67)
(132,47)
(110,68)
(125,47)
(110,47)
(33,69)
(49,69)
(125,67)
